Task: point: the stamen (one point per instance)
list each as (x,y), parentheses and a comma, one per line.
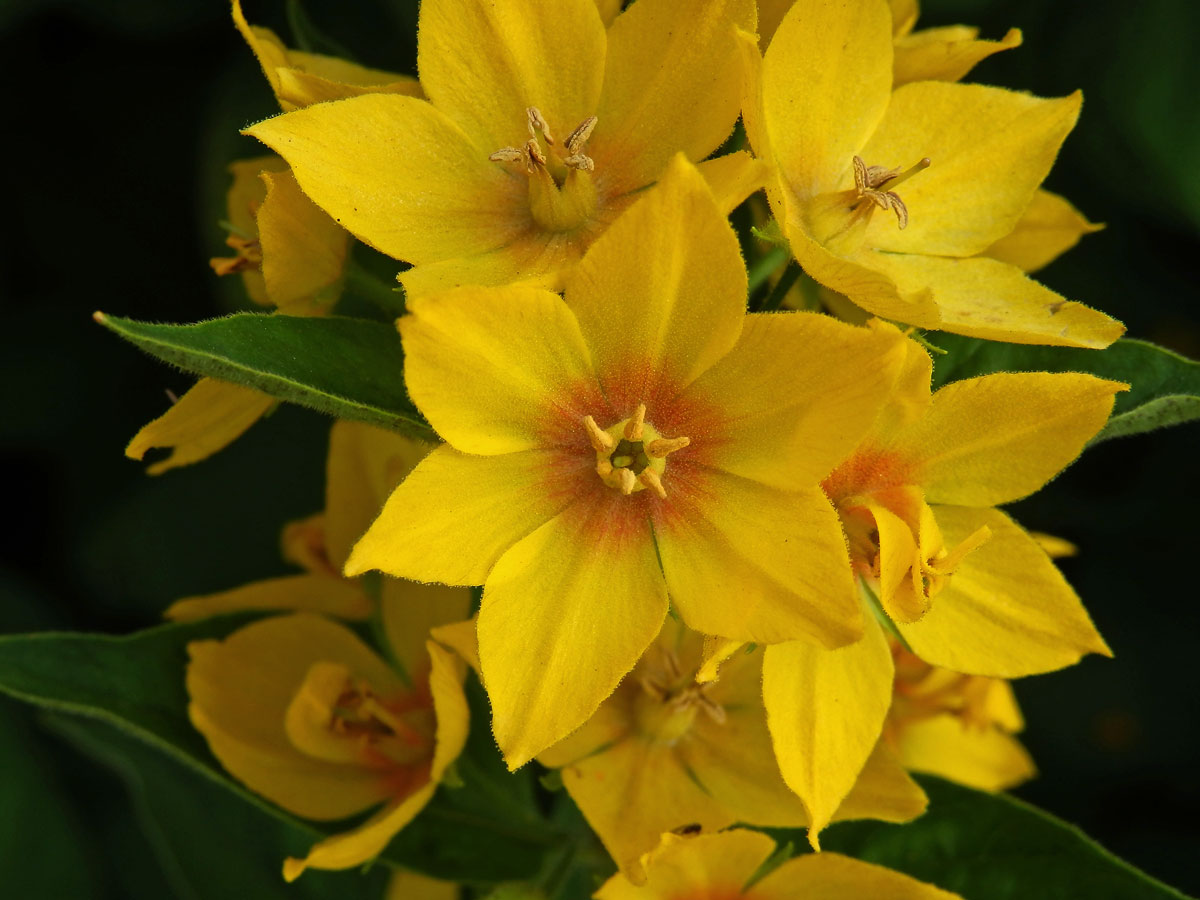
(537,122)
(875,183)
(628,481)
(601,441)
(580,135)
(633,428)
(662,447)
(651,480)
(508,154)
(907,174)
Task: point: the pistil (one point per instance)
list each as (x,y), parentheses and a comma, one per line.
(631,455)
(876,184)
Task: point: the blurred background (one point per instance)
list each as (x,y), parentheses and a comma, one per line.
(121,117)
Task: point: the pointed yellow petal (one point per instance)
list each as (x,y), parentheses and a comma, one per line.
(898,554)
(997,438)
(303,250)
(496,370)
(826,81)
(904,16)
(733,177)
(409,610)
(883,791)
(830,876)
(793,398)
(990,148)
(399,175)
(245,728)
(363,468)
(826,710)
(1049,228)
(671,85)
(945,54)
(1007,611)
(314,593)
(268,49)
(312,78)
(484,64)
(983,758)
(209,417)
(706,865)
(673,264)
(454,516)
(364,843)
(982,297)
(566,613)
(460,637)
(536,259)
(716,651)
(781,554)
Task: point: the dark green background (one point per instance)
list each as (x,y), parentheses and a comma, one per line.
(119,118)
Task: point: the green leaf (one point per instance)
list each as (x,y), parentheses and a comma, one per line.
(348,368)
(486,832)
(992,847)
(1164,386)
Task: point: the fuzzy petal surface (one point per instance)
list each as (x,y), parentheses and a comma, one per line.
(303,250)
(1049,228)
(410,610)
(946,54)
(484,64)
(984,758)
(673,261)
(313,593)
(399,175)
(454,516)
(671,84)
(826,709)
(209,417)
(566,613)
(997,438)
(1007,611)
(706,865)
(497,370)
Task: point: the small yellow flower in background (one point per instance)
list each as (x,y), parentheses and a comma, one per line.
(302,712)
(721,866)
(963,585)
(540,127)
(665,752)
(363,466)
(891,198)
(584,446)
(299,79)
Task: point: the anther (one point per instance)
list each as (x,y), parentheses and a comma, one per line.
(633,428)
(651,480)
(601,441)
(628,481)
(580,135)
(661,447)
(537,122)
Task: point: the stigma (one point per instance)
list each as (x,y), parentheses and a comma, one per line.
(631,455)
(875,185)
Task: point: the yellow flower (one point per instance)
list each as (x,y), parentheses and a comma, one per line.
(957,726)
(721,867)
(585,445)
(540,127)
(300,79)
(302,712)
(961,583)
(363,467)
(892,198)
(665,752)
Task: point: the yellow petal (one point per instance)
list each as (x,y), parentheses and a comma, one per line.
(770,14)
(410,610)
(1049,228)
(314,593)
(364,843)
(497,370)
(313,78)
(898,554)
(830,876)
(793,398)
(904,16)
(303,250)
(363,468)
(209,417)
(535,259)
(399,175)
(673,264)
(246,194)
(1007,611)
(609,10)
(997,438)
(982,297)
(883,791)
(826,710)
(983,758)
(484,64)
(671,85)
(945,54)
(706,865)
(454,516)
(460,637)
(566,613)
(990,148)
(755,564)
(826,81)
(268,49)
(733,177)
(245,727)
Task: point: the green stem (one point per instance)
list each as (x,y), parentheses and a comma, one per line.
(388,299)
(774,300)
(761,268)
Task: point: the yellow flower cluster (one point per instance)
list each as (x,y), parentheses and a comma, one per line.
(736,567)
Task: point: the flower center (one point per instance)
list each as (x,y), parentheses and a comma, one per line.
(670,701)
(631,455)
(875,185)
(561,193)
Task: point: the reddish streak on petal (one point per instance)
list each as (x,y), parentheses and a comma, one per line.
(868,471)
